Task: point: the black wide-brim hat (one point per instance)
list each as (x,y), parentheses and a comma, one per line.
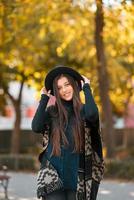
(58,70)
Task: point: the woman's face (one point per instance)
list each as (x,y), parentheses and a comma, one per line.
(65,89)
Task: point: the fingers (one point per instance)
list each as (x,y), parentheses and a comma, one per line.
(86,80)
(48,93)
(44,91)
(82,83)
(83,76)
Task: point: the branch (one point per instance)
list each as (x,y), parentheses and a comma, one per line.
(20,92)
(11,97)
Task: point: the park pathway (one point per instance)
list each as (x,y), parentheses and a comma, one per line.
(22,186)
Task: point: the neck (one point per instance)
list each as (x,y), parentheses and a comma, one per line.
(67,103)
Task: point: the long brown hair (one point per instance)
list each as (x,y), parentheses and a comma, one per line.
(60,119)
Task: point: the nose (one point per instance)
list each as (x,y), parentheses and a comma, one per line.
(64,89)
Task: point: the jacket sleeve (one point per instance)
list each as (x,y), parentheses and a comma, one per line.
(92,116)
(96,140)
(41,117)
(90,107)
(98,165)
(94,190)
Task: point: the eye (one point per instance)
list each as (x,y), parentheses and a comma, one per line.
(67,84)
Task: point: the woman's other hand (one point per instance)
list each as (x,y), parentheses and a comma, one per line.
(86,80)
(44,91)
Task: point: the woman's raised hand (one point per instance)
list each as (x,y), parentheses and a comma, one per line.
(44,91)
(86,80)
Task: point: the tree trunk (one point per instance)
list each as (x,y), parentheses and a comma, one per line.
(125,115)
(104,81)
(15,139)
(16,133)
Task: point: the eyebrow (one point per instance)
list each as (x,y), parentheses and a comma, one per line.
(64,83)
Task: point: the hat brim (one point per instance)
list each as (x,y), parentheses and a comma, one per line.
(62,70)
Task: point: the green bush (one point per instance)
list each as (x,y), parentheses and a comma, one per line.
(18,162)
(123,169)
(131,151)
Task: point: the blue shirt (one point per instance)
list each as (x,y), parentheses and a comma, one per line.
(67,163)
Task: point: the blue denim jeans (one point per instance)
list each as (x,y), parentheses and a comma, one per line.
(61,195)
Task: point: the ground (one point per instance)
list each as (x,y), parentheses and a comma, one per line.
(22,186)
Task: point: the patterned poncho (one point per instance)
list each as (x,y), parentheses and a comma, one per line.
(92,173)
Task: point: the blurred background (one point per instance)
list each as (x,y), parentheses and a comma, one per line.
(94,37)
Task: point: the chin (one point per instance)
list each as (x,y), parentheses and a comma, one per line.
(68,99)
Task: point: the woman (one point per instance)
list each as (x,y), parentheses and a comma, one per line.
(74,149)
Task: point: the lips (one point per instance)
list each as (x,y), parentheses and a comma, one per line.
(67,94)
